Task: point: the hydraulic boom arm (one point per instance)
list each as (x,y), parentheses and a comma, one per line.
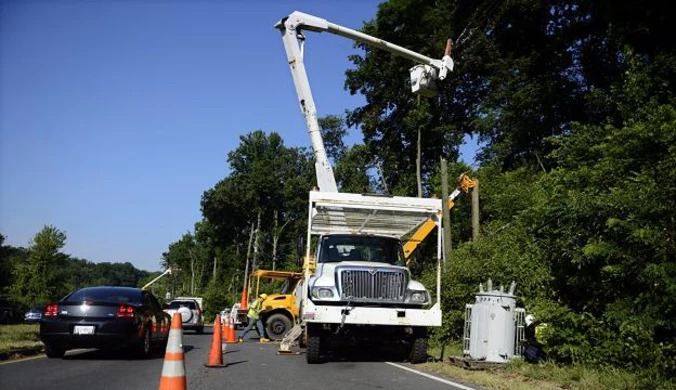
(423,77)
(168,271)
(464,185)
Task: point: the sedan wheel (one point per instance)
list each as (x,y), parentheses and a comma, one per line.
(144,347)
(53,351)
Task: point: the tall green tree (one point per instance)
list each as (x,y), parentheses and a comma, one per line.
(38,280)
(351,165)
(525,70)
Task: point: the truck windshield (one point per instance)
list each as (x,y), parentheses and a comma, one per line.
(288,286)
(337,248)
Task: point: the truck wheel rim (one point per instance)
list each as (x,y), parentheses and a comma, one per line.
(278,327)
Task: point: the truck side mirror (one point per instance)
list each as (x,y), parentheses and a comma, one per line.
(300,250)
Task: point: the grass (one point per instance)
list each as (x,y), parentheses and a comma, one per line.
(19,336)
(519,375)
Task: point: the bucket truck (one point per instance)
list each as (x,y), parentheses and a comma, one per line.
(356,286)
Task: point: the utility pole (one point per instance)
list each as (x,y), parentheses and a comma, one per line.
(475,212)
(418,161)
(446,222)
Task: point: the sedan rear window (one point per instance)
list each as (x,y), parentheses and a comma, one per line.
(117,295)
(175,305)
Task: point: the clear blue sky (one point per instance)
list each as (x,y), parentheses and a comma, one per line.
(115,116)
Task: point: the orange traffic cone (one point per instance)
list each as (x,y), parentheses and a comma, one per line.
(230,330)
(216,352)
(173,370)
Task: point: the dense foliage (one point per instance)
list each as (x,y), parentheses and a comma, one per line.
(574,104)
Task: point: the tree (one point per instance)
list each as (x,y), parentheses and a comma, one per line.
(333,132)
(351,164)
(525,70)
(38,280)
(268,176)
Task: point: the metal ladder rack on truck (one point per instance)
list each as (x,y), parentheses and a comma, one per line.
(359,287)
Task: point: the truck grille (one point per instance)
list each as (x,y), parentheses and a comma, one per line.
(373,284)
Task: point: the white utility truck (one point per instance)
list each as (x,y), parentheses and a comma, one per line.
(358,287)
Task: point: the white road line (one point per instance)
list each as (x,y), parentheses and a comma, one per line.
(426,375)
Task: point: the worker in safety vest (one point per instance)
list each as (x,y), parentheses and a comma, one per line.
(533,352)
(254,319)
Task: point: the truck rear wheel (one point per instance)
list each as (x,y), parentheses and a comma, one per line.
(314,346)
(418,352)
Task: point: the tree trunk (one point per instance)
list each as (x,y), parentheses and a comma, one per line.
(215,268)
(256,241)
(192,273)
(277,232)
(275,237)
(248,254)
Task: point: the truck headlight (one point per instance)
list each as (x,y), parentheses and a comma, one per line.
(417,296)
(322,292)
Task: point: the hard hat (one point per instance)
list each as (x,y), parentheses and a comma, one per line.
(263,295)
(529,319)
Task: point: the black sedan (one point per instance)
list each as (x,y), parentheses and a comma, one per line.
(104,317)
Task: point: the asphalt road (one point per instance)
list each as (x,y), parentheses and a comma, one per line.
(250,365)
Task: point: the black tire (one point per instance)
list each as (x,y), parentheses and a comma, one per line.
(144,348)
(54,351)
(418,351)
(163,346)
(277,326)
(314,346)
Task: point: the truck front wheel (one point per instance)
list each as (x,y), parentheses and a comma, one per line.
(314,345)
(418,352)
(277,326)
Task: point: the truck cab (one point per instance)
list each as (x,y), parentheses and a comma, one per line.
(364,270)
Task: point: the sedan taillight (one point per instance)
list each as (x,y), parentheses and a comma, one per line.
(125,311)
(51,310)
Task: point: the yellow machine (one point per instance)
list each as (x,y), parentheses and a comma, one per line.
(464,185)
(279,309)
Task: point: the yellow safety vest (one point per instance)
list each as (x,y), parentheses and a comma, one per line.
(540,331)
(253,309)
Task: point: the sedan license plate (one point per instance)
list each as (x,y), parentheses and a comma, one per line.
(81,329)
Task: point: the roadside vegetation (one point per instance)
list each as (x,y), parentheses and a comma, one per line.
(574,105)
(16,337)
(520,375)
